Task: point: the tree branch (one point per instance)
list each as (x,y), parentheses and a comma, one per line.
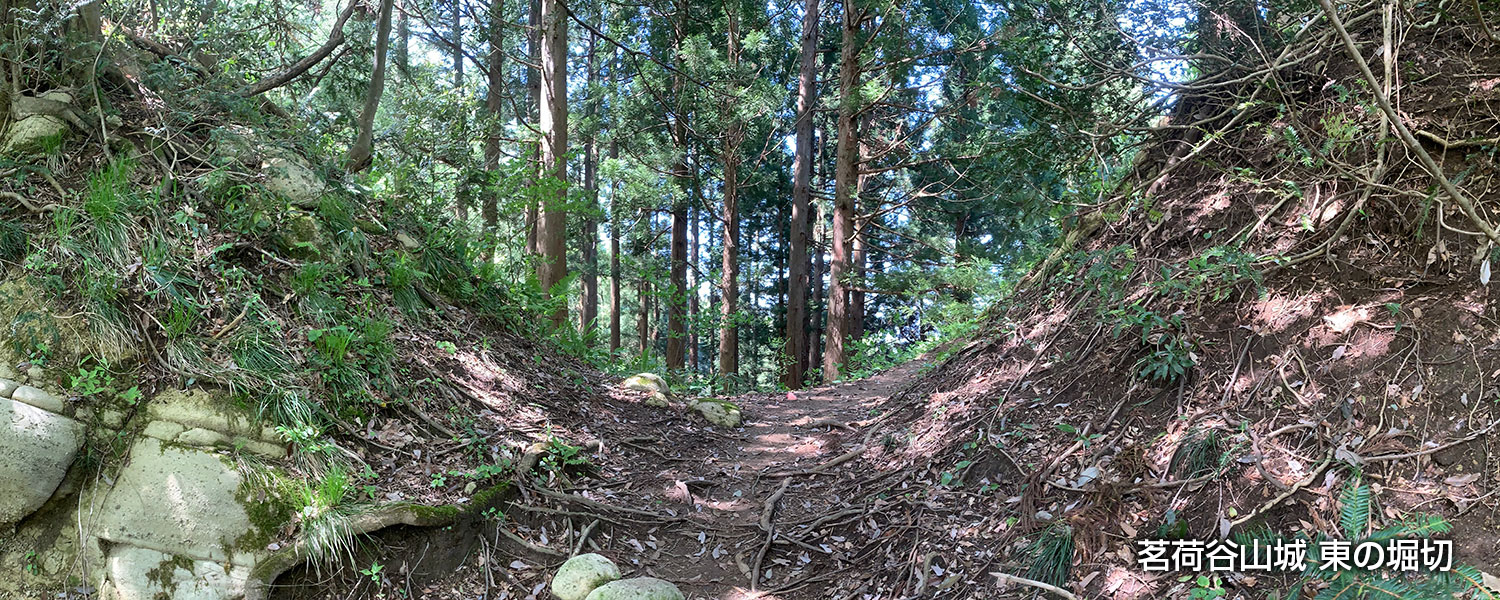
(335,39)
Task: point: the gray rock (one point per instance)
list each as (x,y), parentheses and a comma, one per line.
(38,398)
(638,588)
(646,382)
(144,574)
(36,447)
(111,418)
(201,437)
(658,400)
(265,449)
(201,409)
(581,574)
(718,412)
(289,177)
(8,387)
(408,242)
(165,431)
(34,133)
(179,501)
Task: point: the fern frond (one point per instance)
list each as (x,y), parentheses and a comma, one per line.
(1354,509)
(1467,578)
(1346,587)
(1263,534)
(1418,525)
(1391,589)
(1315,558)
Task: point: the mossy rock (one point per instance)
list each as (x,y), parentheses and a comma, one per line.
(718,412)
(301,236)
(637,588)
(35,134)
(646,382)
(581,575)
(657,392)
(34,332)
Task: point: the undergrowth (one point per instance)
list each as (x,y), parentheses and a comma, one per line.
(197,277)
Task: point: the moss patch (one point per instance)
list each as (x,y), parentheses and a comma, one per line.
(270,501)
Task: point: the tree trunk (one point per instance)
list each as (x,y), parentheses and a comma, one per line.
(534,92)
(643,305)
(590,241)
(489,210)
(692,273)
(462,195)
(797,276)
(845,176)
(729,340)
(857,294)
(676,293)
(614,260)
(818,307)
(553,228)
(360,154)
(403,46)
(857,258)
(457,34)
(682,172)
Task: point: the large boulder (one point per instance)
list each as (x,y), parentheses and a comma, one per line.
(638,588)
(34,133)
(283,172)
(145,574)
(581,574)
(36,447)
(289,177)
(179,501)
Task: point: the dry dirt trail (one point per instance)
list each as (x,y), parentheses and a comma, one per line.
(791,469)
(784,500)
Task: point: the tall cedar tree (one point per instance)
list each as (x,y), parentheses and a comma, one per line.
(845,187)
(489,210)
(734,135)
(552,229)
(802,164)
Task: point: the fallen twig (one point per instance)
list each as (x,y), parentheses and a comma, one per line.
(1306,481)
(583,537)
(1006,578)
(539,549)
(1402,131)
(1468,438)
(768,525)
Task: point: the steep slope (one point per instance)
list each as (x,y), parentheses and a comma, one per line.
(220,359)
(1277,304)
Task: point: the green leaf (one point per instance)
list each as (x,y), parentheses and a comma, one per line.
(1354,509)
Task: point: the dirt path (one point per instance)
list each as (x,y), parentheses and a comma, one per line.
(665,496)
(714,486)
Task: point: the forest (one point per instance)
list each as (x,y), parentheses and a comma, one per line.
(750,196)
(788,300)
